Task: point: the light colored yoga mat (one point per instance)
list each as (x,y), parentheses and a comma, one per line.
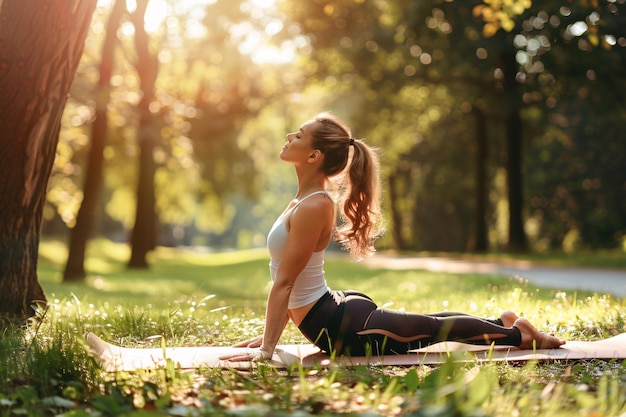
(116,358)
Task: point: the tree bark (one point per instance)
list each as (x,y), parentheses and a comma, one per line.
(396,216)
(515,177)
(41,42)
(144,235)
(479,241)
(81,233)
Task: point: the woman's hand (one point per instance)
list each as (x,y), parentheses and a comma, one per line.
(256,353)
(255,342)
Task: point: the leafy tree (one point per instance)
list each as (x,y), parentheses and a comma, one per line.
(494,60)
(576,181)
(81,232)
(144,234)
(479,59)
(214,88)
(408,83)
(40,47)
(204,92)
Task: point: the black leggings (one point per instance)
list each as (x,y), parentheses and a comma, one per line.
(349,322)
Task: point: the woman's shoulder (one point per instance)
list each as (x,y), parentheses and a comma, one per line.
(317,198)
(311,217)
(314,204)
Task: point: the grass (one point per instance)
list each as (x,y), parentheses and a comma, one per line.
(195,298)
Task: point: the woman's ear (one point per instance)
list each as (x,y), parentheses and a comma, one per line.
(315,155)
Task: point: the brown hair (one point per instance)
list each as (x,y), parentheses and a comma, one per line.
(357,191)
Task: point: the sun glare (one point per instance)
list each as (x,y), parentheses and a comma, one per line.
(262,4)
(156,13)
(257,43)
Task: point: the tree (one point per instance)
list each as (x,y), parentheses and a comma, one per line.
(205,91)
(479,241)
(411,78)
(144,234)
(80,234)
(511,92)
(483,63)
(41,43)
(522,68)
(575,168)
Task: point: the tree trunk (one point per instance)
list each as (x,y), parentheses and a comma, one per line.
(41,42)
(143,238)
(480,242)
(517,236)
(397,223)
(80,234)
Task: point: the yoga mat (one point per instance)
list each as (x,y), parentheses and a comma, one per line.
(112,358)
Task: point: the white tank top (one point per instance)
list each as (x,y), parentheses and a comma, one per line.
(310,284)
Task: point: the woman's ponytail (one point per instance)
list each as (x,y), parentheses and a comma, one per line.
(360,211)
(355,175)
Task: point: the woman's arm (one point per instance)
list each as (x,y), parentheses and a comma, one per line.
(274,326)
(309,223)
(306,226)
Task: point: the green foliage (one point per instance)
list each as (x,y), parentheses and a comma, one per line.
(206,90)
(45,368)
(409,77)
(564,61)
(498,14)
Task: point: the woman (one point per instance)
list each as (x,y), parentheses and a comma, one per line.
(326,157)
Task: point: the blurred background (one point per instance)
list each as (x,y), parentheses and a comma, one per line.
(500,123)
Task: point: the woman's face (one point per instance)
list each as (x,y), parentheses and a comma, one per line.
(298,147)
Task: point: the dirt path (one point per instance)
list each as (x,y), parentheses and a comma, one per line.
(597,280)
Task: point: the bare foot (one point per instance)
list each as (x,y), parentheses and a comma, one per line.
(508,318)
(530,333)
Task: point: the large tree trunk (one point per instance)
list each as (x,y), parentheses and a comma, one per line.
(143,238)
(517,236)
(80,234)
(479,242)
(41,42)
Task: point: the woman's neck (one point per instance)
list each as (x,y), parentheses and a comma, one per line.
(303,192)
(308,184)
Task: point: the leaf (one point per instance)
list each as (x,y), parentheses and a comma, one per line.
(411,380)
(6,403)
(391,390)
(488,14)
(163,401)
(507,24)
(489,30)
(478,10)
(480,385)
(57,401)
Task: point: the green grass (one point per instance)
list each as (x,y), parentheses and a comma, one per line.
(194,298)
